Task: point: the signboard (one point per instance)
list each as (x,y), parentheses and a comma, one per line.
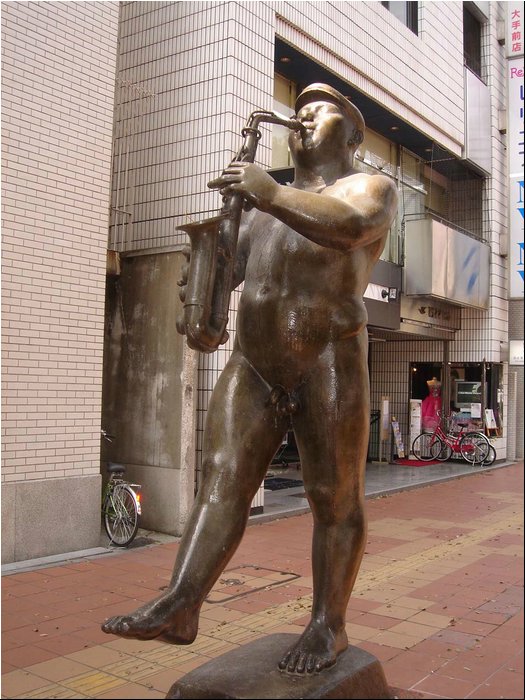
(385,417)
(514,29)
(516,352)
(432,312)
(490,420)
(516,178)
(400,448)
(515,135)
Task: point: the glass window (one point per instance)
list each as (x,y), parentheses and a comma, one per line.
(406,12)
(477,395)
(471,42)
(379,155)
(437,198)
(284,94)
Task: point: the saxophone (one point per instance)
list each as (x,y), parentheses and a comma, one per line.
(213,248)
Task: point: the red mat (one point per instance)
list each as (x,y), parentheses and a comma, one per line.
(415,462)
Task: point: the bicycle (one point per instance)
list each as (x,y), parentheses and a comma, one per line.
(474,447)
(121,506)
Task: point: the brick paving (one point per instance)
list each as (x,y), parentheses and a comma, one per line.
(438,600)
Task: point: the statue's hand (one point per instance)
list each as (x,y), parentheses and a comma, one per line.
(247,179)
(186,251)
(182,283)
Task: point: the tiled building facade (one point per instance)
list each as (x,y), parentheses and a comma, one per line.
(58,77)
(187,74)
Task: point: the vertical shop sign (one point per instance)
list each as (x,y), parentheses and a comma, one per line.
(514,29)
(514,45)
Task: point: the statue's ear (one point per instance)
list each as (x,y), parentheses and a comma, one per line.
(357,138)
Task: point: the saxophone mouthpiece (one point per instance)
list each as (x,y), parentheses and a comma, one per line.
(303,129)
(297,125)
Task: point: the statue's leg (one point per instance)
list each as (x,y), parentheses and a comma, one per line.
(331,431)
(241,436)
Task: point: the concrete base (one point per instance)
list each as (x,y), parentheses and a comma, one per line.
(44,517)
(251,671)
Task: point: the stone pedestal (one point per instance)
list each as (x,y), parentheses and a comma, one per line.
(251,671)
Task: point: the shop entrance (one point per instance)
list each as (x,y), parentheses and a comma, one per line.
(426,401)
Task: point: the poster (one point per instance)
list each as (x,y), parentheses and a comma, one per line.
(400,448)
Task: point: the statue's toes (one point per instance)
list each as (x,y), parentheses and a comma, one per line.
(109,625)
(301,663)
(116,625)
(311,664)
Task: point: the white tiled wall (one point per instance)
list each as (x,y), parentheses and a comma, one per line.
(208,64)
(57,117)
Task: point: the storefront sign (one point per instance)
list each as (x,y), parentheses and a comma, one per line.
(514,29)
(514,44)
(516,352)
(433,313)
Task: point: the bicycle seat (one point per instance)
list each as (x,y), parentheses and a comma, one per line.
(115,468)
(462,425)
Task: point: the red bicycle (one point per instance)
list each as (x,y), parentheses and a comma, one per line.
(474,447)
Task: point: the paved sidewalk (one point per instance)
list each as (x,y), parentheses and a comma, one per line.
(438,600)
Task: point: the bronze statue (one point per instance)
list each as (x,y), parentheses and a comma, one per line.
(305,253)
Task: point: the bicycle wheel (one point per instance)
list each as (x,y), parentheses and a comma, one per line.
(427,446)
(489,459)
(121,518)
(445,454)
(474,448)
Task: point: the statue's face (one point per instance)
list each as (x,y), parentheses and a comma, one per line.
(329,131)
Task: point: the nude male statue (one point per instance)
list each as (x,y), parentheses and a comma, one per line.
(305,253)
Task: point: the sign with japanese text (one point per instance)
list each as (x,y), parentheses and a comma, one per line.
(515,136)
(516,352)
(514,29)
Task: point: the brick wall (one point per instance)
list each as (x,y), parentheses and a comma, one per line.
(57,115)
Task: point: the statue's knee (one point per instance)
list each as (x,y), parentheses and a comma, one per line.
(334,508)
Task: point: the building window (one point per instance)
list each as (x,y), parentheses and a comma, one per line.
(379,155)
(284,94)
(406,12)
(472,42)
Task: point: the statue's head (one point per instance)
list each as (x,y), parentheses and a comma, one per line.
(319,92)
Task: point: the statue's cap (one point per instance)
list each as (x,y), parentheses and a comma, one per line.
(319,92)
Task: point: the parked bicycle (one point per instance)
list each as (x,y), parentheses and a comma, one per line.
(490,458)
(473,446)
(120,504)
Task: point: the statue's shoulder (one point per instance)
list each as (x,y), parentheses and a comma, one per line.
(357,181)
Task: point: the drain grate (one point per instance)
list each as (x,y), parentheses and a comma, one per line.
(247,579)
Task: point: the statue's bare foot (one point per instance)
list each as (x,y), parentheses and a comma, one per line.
(163,618)
(317,648)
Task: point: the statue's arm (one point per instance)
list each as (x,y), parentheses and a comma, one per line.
(353,213)
(346,217)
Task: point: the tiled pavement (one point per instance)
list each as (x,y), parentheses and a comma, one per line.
(438,600)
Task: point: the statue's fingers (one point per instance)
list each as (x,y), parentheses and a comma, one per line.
(225,178)
(226,191)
